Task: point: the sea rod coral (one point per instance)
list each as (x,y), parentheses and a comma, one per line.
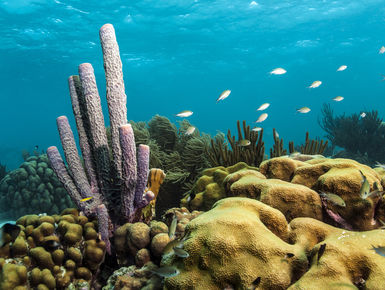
(112,183)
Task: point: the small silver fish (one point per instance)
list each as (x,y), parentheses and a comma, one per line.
(276,134)
(172,229)
(224,95)
(190,130)
(262,118)
(263,107)
(180,252)
(244,142)
(185,113)
(382,50)
(256,129)
(315,84)
(166,271)
(378,164)
(334,198)
(338,99)
(303,110)
(379,250)
(342,68)
(278,71)
(362,115)
(365,187)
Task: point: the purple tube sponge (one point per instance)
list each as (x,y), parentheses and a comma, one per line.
(127,143)
(113,172)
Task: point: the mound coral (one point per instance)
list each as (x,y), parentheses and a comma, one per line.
(32,188)
(210,188)
(260,249)
(293,187)
(52,252)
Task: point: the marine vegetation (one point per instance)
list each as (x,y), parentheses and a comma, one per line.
(277,149)
(181,155)
(251,152)
(364,136)
(310,147)
(32,188)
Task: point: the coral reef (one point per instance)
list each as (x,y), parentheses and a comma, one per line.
(277,149)
(139,243)
(294,186)
(52,252)
(112,183)
(260,249)
(210,188)
(135,278)
(253,154)
(181,156)
(32,188)
(363,136)
(310,147)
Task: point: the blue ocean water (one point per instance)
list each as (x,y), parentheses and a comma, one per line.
(181,54)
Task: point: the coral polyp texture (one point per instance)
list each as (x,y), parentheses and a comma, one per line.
(296,188)
(32,188)
(112,183)
(241,242)
(52,252)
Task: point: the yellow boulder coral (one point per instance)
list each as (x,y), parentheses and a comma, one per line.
(241,240)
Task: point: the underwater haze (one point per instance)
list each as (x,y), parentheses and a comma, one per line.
(181,54)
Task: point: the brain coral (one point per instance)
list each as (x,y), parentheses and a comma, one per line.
(293,187)
(32,188)
(54,252)
(242,240)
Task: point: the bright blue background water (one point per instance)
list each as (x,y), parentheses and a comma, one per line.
(181,54)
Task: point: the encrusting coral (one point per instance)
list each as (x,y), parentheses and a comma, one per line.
(52,252)
(32,188)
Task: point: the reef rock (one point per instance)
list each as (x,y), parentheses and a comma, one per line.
(293,187)
(55,252)
(242,241)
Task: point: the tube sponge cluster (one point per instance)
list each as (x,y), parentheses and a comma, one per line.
(33,187)
(52,252)
(114,177)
